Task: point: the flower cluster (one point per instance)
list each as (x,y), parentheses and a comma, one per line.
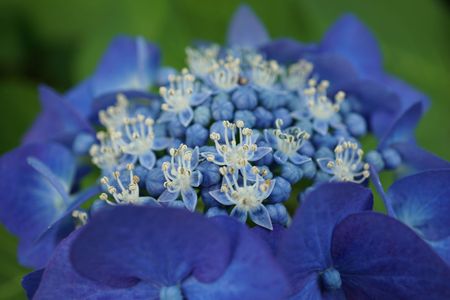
(249,130)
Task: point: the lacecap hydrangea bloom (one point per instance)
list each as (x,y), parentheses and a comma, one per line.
(197,185)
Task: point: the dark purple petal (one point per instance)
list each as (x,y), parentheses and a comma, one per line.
(380,258)
(422,201)
(418,159)
(305,248)
(128,64)
(61,281)
(353,40)
(246,30)
(252,273)
(402,128)
(271,237)
(31,281)
(157,245)
(58,120)
(286,50)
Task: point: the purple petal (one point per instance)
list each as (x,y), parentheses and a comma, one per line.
(58,120)
(422,202)
(419,159)
(128,64)
(379,257)
(271,237)
(31,281)
(158,245)
(246,30)
(189,197)
(61,274)
(353,40)
(251,256)
(261,217)
(305,247)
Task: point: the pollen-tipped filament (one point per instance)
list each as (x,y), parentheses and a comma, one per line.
(290,140)
(296,75)
(319,105)
(178,171)
(122,193)
(224,74)
(201,60)
(177,96)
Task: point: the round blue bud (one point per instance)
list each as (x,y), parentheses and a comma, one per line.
(207,199)
(281,190)
(375,159)
(264,118)
(176,129)
(345,107)
(278,213)
(307,149)
(283,114)
(196,135)
(245,97)
(392,158)
(210,172)
(331,279)
(246,116)
(271,100)
(222,108)
(356,124)
(202,115)
(216,212)
(324,152)
(154,182)
(291,172)
(324,141)
(309,169)
(160,129)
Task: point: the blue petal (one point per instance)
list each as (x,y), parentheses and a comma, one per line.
(246,30)
(148,160)
(380,258)
(323,162)
(402,129)
(261,217)
(198,98)
(167,196)
(128,64)
(30,203)
(312,227)
(161,143)
(61,274)
(260,153)
(166,116)
(422,201)
(239,213)
(299,159)
(320,126)
(353,40)
(221,197)
(418,159)
(150,201)
(58,121)
(189,197)
(195,158)
(280,157)
(158,245)
(196,178)
(81,97)
(251,256)
(217,158)
(31,281)
(186,116)
(287,51)
(269,137)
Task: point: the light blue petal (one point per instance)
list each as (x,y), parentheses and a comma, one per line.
(239,214)
(320,126)
(269,137)
(186,116)
(299,159)
(260,216)
(166,116)
(260,153)
(323,162)
(217,158)
(148,160)
(161,143)
(150,201)
(199,98)
(280,157)
(167,196)
(195,158)
(196,178)
(189,197)
(221,197)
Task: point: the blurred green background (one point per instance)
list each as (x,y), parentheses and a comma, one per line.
(59,43)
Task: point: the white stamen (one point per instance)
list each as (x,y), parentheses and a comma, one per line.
(127,194)
(264,73)
(179,93)
(225,73)
(201,60)
(178,172)
(296,76)
(290,140)
(320,106)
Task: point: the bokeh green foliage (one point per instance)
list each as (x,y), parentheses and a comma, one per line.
(59,42)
